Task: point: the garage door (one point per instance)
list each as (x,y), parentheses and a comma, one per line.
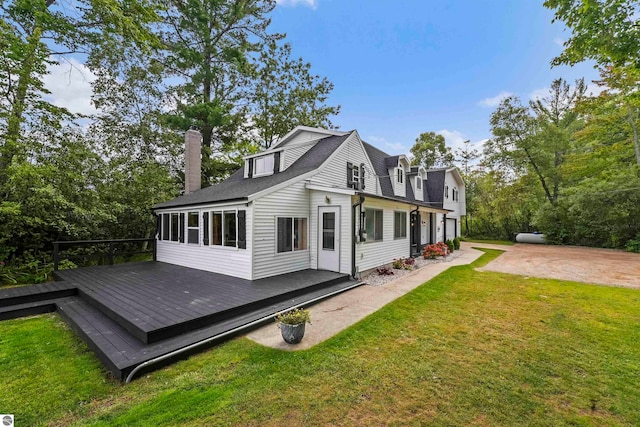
(451,228)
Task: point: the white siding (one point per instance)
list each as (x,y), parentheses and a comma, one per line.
(418,193)
(319,198)
(292,154)
(334,174)
(459,207)
(217,259)
(302,137)
(374,254)
(399,189)
(292,201)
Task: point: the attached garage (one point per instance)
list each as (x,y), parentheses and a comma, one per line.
(452,228)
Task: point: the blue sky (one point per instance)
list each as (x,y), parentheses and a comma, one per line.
(406,67)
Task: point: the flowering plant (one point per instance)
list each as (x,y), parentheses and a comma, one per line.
(297,316)
(435,250)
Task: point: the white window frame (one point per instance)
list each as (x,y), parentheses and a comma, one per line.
(293,229)
(404,229)
(262,160)
(371,237)
(400,176)
(356,174)
(418,182)
(222,229)
(188,213)
(177,214)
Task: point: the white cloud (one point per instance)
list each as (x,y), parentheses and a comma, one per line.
(70,86)
(539,93)
(390,147)
(559,41)
(313,4)
(453,138)
(594,89)
(494,101)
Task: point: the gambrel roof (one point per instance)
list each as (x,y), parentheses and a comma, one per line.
(238,188)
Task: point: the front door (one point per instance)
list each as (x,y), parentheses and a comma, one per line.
(329,238)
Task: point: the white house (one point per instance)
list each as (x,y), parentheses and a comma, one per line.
(317,199)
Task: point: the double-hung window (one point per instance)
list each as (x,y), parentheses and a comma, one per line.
(175,227)
(193,227)
(291,234)
(166,230)
(263,165)
(399,225)
(400,176)
(373,224)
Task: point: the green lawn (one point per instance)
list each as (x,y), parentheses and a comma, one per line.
(466,348)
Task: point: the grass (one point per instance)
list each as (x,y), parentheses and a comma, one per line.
(489,241)
(466,348)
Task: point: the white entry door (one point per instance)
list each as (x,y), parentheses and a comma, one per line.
(424,231)
(329,238)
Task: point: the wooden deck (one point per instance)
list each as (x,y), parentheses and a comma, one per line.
(132,313)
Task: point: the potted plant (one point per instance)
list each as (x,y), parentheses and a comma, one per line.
(292,324)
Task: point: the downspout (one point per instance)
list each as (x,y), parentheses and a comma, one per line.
(413,232)
(444,227)
(353,233)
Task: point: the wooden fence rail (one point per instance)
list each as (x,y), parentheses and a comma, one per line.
(111,252)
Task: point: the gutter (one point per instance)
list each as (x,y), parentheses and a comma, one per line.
(353,233)
(228,333)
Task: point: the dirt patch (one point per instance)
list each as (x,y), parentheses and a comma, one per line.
(589,265)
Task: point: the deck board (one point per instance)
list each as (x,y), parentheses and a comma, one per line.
(131,313)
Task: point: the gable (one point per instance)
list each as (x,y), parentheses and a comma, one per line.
(305,134)
(334,173)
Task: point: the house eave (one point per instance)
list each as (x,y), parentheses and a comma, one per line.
(205,204)
(421,204)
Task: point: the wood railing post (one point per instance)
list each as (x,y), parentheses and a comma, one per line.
(56,255)
(110,253)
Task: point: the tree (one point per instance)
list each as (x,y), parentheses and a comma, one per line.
(466,156)
(430,150)
(286,94)
(536,138)
(602,30)
(79,27)
(208,44)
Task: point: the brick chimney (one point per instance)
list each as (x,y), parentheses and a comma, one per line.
(192,162)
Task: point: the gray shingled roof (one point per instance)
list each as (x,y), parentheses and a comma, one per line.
(380,161)
(237,187)
(435,186)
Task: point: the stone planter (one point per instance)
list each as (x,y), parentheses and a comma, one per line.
(292,334)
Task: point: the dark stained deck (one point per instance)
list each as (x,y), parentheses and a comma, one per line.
(132,313)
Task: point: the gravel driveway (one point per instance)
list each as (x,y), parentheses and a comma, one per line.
(602,266)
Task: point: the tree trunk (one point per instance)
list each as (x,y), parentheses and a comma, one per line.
(634,127)
(10,149)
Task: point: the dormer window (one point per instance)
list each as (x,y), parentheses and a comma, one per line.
(263,165)
(419,182)
(400,176)
(446,191)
